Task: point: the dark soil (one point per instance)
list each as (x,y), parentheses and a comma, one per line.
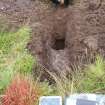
(61,36)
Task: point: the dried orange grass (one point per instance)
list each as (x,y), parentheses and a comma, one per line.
(21,91)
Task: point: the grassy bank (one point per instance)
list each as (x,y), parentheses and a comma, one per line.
(16,65)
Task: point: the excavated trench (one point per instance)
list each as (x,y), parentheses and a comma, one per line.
(61,37)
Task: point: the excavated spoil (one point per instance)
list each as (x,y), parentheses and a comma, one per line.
(61,36)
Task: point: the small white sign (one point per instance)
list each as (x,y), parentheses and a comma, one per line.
(50,100)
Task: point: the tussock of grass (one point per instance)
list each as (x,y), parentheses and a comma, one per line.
(94,77)
(5,79)
(21,91)
(89,80)
(13,52)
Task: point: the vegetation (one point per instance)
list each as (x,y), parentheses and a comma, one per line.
(16,70)
(12,51)
(94,77)
(21,91)
(17,85)
(89,80)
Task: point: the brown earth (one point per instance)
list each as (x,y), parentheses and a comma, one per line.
(61,37)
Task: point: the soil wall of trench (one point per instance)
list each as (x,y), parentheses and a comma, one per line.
(61,37)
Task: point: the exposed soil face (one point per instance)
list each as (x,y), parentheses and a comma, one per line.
(60,36)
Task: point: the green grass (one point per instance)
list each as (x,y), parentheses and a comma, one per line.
(93,79)
(13,52)
(14,56)
(5,79)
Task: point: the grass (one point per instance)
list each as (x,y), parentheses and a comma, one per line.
(94,77)
(21,91)
(89,80)
(15,59)
(5,79)
(13,52)
(14,56)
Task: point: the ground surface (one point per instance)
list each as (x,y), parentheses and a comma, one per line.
(60,36)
